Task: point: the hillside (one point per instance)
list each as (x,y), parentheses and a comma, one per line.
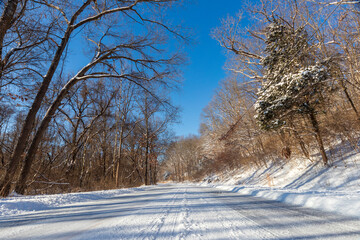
(301,181)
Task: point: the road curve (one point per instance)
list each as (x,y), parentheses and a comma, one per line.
(177,211)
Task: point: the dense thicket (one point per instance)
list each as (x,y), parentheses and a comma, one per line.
(292,89)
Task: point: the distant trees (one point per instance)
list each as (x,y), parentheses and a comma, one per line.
(183,160)
(152,127)
(124,44)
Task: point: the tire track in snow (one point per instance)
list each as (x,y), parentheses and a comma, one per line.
(222,220)
(174,221)
(84,232)
(176,224)
(186,224)
(155,225)
(184,217)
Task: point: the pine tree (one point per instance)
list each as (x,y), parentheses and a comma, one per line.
(294,83)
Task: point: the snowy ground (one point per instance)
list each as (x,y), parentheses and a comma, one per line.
(30,204)
(302,182)
(169,211)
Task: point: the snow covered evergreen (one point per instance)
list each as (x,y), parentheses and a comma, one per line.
(293,81)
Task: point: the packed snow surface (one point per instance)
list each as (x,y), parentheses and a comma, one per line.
(169,211)
(28,204)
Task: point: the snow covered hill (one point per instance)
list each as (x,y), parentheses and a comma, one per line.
(301,182)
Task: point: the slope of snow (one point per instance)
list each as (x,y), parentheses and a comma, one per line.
(302,182)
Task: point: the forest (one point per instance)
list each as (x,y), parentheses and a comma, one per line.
(84,93)
(291,91)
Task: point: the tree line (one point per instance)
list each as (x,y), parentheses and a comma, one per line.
(84,93)
(292,89)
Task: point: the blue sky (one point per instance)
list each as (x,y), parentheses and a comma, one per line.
(206,59)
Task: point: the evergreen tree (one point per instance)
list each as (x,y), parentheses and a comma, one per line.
(294,83)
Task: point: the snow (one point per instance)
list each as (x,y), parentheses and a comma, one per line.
(301,182)
(344,2)
(173,211)
(17,204)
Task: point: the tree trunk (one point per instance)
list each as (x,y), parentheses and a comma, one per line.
(5,24)
(21,184)
(315,126)
(30,156)
(302,145)
(147,146)
(300,141)
(350,99)
(30,119)
(118,160)
(81,178)
(155,172)
(147,163)
(114,161)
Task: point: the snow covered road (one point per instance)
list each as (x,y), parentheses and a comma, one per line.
(179,212)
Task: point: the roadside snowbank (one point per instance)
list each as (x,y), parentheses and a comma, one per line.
(27,204)
(301,182)
(346,203)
